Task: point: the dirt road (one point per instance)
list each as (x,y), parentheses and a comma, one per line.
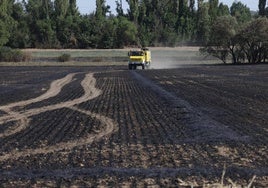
(92,126)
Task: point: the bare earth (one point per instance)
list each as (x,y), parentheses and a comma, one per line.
(111,127)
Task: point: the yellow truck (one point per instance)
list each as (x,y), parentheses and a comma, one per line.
(140,57)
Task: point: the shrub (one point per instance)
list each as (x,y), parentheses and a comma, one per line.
(27,56)
(13,55)
(64,58)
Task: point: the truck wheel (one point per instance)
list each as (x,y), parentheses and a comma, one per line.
(148,65)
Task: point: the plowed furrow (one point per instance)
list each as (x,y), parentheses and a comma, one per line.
(90,92)
(126,172)
(151,128)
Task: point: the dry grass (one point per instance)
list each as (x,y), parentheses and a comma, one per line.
(69,63)
(224,183)
(162,57)
(231,184)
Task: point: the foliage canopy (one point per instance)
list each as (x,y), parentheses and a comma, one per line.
(58,23)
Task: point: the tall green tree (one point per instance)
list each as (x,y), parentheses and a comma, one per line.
(20,35)
(7,23)
(40,20)
(107,39)
(213,9)
(58,23)
(246,44)
(262,4)
(73,9)
(73,17)
(223,10)
(181,6)
(253,40)
(67,23)
(61,7)
(186,20)
(104,26)
(126,33)
(241,12)
(133,11)
(191,6)
(119,8)
(39,9)
(222,42)
(203,23)
(147,23)
(101,9)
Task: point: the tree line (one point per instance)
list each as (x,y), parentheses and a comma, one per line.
(243,39)
(59,24)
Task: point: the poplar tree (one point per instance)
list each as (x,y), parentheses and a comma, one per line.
(61,7)
(191,6)
(20,34)
(203,22)
(241,12)
(262,4)
(119,8)
(40,21)
(68,21)
(101,9)
(133,11)
(213,10)
(7,23)
(223,10)
(73,10)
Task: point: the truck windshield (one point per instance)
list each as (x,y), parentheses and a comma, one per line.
(133,53)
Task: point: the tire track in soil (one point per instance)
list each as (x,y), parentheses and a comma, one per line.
(224,108)
(23,121)
(229,111)
(91,92)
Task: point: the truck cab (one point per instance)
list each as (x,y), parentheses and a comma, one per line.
(139,58)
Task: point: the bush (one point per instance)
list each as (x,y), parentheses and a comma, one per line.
(26,56)
(64,58)
(12,55)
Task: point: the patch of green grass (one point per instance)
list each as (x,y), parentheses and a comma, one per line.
(8,54)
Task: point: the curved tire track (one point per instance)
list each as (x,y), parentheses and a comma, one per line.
(23,121)
(91,92)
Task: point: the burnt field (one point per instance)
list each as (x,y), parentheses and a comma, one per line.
(108,126)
